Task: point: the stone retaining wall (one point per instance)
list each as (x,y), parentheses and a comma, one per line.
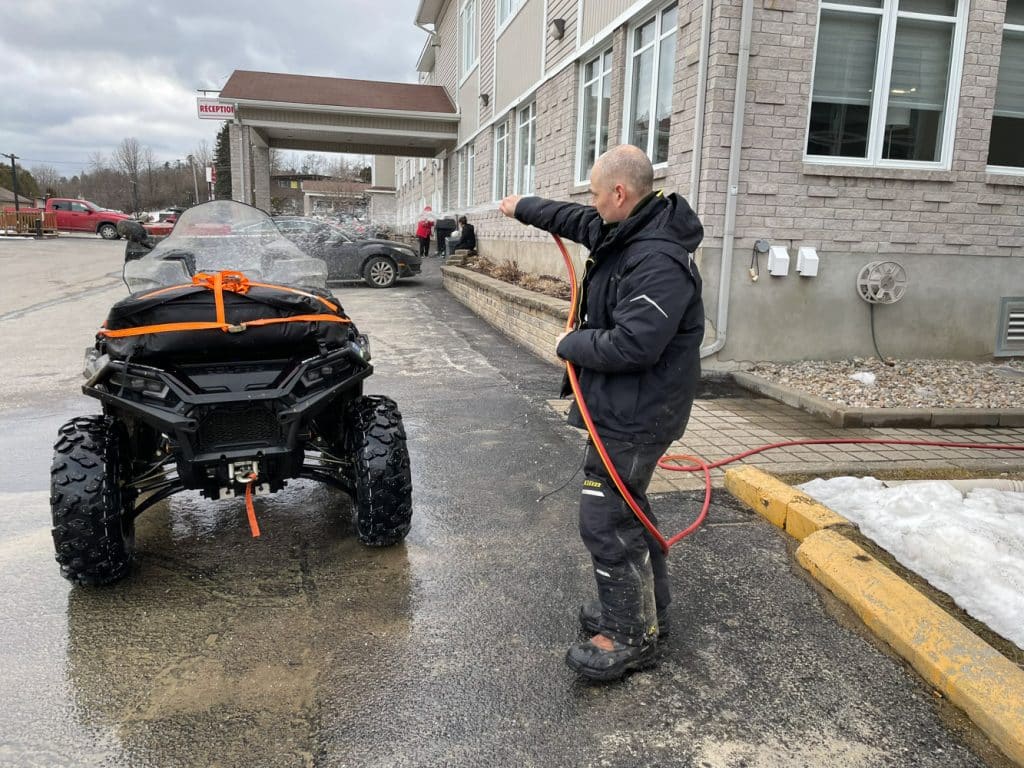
(532,319)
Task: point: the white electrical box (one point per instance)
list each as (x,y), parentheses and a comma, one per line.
(807,262)
(778,261)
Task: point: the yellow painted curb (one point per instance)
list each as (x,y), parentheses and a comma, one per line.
(780,504)
(968,671)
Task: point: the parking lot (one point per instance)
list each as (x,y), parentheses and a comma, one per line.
(302,648)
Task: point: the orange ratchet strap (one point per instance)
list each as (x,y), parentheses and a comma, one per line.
(218,282)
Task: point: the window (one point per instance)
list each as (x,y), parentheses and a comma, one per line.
(468,31)
(881,80)
(470,173)
(595,96)
(500,185)
(653,63)
(1005,147)
(526,148)
(464,188)
(79,208)
(506,8)
(460,181)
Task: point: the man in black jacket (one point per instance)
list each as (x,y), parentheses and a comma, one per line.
(636,350)
(467,238)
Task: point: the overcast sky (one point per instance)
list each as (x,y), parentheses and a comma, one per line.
(78,76)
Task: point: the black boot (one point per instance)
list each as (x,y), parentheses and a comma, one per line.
(595,663)
(590,619)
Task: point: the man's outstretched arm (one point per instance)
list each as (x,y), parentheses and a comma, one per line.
(579,223)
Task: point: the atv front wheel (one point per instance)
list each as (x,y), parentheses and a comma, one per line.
(93,528)
(380,470)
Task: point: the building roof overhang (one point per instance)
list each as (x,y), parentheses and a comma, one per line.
(326,114)
(429,11)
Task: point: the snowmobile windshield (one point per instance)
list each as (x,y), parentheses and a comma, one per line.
(220,235)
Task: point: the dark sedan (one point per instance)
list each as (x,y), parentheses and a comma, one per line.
(379,262)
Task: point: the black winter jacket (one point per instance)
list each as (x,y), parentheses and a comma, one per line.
(641,319)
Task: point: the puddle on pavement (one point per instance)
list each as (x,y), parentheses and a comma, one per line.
(720,387)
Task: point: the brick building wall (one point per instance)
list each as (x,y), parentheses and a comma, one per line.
(955,231)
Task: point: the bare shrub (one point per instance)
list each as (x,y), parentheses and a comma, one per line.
(509,272)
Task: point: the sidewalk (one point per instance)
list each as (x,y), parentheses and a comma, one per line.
(976,677)
(727,426)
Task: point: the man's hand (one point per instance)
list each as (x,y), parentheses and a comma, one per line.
(508,205)
(559,339)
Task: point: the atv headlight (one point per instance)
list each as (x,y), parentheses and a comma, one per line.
(361,345)
(94,362)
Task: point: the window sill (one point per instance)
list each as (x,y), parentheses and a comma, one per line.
(507,22)
(1002,179)
(469,72)
(875,172)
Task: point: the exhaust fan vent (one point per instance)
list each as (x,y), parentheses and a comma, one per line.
(1010,341)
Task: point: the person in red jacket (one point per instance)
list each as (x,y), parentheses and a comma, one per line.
(424,227)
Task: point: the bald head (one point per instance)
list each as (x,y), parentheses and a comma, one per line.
(620,179)
(626,165)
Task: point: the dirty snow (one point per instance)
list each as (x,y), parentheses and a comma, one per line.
(971,548)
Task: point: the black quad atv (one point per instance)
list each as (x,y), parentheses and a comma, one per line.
(230,368)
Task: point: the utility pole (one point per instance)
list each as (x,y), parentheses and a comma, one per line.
(14,180)
(195,181)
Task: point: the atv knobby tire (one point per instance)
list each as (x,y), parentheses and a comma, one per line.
(379,470)
(93,528)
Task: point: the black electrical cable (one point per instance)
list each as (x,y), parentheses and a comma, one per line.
(563,485)
(874,341)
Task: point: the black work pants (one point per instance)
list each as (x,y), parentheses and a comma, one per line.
(424,247)
(629,565)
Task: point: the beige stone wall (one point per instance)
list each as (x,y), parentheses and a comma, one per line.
(533,320)
(957,231)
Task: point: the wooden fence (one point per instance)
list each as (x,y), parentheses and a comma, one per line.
(28,223)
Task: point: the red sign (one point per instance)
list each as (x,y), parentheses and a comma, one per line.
(212,109)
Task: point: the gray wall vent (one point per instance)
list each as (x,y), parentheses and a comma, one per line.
(1010,341)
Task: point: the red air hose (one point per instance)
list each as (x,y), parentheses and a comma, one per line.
(696,462)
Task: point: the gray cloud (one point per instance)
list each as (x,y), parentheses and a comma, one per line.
(78,77)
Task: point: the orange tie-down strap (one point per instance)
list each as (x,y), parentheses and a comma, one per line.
(219,282)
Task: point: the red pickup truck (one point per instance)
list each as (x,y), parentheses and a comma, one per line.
(81,216)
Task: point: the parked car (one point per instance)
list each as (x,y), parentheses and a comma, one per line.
(379,262)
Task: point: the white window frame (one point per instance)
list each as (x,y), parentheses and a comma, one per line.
(889,14)
(526,186)
(500,143)
(602,73)
(1014,170)
(659,36)
(469,38)
(470,172)
(460,177)
(510,8)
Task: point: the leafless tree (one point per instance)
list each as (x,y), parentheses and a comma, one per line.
(48,179)
(314,164)
(148,162)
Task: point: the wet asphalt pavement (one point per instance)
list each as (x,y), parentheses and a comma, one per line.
(303,648)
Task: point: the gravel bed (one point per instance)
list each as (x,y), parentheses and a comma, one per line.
(905,384)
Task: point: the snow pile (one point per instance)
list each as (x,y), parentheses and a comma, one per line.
(971,548)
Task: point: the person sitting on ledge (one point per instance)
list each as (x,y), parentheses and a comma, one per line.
(466,240)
